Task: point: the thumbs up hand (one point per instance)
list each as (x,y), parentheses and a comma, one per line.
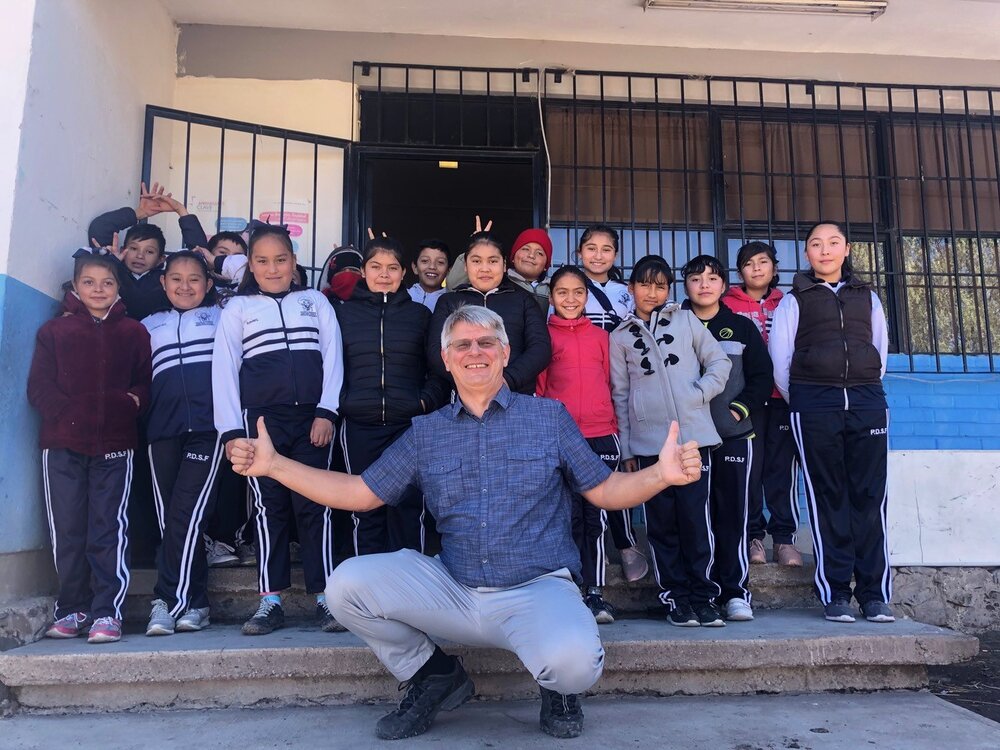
(252,457)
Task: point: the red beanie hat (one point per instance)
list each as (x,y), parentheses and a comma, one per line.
(533,235)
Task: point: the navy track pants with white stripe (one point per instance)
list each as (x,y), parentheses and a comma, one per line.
(730,493)
(774,475)
(278,508)
(185,488)
(844,463)
(589,521)
(86,498)
(681,543)
(389,528)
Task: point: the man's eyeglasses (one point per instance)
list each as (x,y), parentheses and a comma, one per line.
(484,343)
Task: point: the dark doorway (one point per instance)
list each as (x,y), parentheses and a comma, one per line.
(413,199)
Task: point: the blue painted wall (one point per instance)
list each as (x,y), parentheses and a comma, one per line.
(949,410)
(22,516)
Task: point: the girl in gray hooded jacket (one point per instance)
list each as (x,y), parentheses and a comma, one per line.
(664,366)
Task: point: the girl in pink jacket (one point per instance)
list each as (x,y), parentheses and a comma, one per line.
(774,472)
(579,376)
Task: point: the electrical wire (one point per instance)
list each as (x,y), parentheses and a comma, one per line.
(545,145)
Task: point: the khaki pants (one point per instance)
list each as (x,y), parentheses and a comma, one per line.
(395,601)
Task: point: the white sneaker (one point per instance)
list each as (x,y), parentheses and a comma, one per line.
(220,554)
(193,620)
(738,610)
(160,621)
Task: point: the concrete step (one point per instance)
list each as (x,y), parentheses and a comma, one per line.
(233,592)
(781,651)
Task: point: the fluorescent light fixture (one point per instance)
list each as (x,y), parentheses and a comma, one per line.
(871,8)
(447,165)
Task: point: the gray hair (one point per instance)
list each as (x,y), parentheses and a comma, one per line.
(474,315)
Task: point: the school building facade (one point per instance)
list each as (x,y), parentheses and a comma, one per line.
(690,131)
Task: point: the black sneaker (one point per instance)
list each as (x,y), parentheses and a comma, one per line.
(424,698)
(561,715)
(683,616)
(268,618)
(604,613)
(327,622)
(708,616)
(876,611)
(839,610)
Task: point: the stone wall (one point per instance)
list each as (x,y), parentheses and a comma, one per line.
(24,621)
(966,599)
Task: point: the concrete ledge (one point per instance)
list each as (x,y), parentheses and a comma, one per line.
(792,650)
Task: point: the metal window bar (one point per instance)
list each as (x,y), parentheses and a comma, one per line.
(954,244)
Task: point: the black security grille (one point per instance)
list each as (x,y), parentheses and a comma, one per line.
(227,172)
(684,165)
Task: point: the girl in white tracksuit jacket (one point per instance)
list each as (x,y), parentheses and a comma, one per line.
(278,355)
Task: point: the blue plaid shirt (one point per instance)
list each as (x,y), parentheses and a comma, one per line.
(499,487)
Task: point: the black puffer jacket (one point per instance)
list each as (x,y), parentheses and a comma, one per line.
(530,345)
(385,358)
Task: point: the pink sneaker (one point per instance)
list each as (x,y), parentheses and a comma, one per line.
(634,564)
(69,626)
(787,555)
(105,630)
(757,554)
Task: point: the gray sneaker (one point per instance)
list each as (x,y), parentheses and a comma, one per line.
(220,554)
(193,620)
(876,611)
(160,621)
(839,610)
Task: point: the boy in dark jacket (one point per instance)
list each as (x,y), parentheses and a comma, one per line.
(141,254)
(90,380)
(749,384)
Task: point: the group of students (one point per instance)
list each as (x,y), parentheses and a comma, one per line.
(197,344)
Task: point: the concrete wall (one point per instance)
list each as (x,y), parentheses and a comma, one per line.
(78,97)
(321,107)
(14,56)
(286,54)
(942,507)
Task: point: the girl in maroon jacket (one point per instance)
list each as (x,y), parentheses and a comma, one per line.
(89,380)
(579,376)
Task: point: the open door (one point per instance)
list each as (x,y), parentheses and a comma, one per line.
(412,198)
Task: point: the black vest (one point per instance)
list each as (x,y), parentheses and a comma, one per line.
(833,343)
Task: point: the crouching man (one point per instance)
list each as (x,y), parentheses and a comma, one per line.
(496,469)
